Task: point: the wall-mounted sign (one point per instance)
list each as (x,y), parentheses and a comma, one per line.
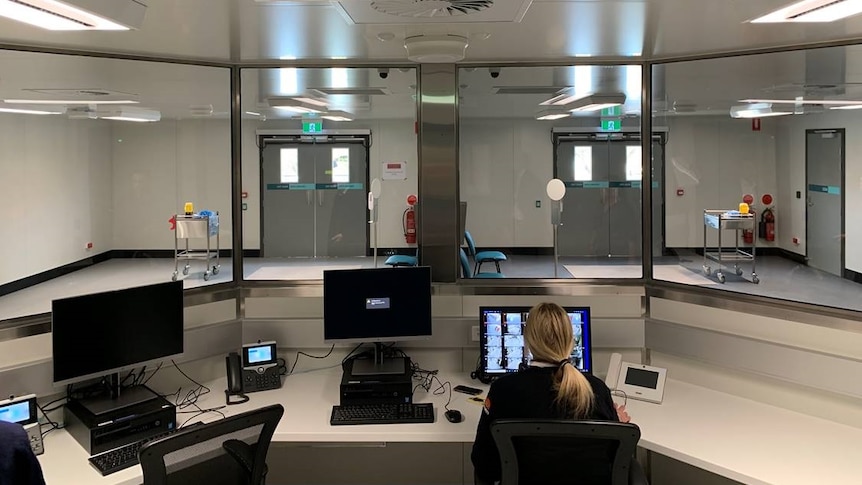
(312,126)
(612,124)
(612,111)
(394,170)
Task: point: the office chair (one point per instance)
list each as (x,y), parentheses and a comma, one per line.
(465,268)
(556,452)
(229,451)
(483,256)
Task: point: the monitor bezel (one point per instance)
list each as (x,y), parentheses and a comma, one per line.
(401,338)
(113,370)
(586,336)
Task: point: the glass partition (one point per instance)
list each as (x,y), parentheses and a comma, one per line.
(761,183)
(98,157)
(314,142)
(521,127)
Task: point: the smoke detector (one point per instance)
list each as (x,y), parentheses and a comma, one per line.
(436,48)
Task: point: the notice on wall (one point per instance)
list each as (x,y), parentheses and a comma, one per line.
(394,170)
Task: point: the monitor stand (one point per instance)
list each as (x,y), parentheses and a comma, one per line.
(118,398)
(379,365)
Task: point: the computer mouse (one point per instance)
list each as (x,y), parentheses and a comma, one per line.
(454,416)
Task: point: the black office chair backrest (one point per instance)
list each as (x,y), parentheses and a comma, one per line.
(228,451)
(551,452)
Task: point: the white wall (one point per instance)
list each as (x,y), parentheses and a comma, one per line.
(55,192)
(715,160)
(791,165)
(392,140)
(160,166)
(505,165)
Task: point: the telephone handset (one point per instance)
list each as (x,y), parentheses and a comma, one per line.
(233,363)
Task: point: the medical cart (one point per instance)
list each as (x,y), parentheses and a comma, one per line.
(199,227)
(737,222)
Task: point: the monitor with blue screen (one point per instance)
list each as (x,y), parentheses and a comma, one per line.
(501,335)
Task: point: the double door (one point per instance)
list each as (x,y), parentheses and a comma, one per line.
(314,197)
(602,208)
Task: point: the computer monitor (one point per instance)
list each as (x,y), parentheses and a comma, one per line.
(377,305)
(501,335)
(102,334)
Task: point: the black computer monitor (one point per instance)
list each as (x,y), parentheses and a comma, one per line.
(501,335)
(377,305)
(102,334)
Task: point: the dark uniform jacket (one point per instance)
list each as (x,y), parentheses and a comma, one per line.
(18,464)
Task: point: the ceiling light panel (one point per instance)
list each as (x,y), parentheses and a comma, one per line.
(129,113)
(813,11)
(70,101)
(756,110)
(76,14)
(431,11)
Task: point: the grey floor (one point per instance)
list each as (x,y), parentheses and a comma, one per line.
(779,277)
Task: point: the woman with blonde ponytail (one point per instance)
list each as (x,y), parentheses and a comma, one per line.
(550,388)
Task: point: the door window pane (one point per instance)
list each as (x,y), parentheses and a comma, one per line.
(634,169)
(340,165)
(289,165)
(583,164)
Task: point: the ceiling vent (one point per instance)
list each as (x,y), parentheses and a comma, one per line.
(431,11)
(431,8)
(436,48)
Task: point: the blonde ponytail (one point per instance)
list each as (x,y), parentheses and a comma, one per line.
(574,393)
(549,338)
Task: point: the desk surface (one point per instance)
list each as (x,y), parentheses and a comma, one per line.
(741,439)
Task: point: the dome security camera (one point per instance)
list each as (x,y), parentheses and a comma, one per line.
(494,72)
(383,73)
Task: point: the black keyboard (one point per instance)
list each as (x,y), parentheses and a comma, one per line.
(126,456)
(382,414)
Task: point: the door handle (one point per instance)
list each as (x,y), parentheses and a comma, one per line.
(308,197)
(320,198)
(810,202)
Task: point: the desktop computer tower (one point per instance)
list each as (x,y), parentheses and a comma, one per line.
(100,428)
(393,388)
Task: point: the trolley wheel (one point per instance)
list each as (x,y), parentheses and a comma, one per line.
(738,271)
(707,270)
(174,277)
(216,269)
(755,279)
(185,270)
(720,276)
(206,275)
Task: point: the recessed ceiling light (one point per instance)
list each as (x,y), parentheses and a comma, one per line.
(69,101)
(847,106)
(813,11)
(63,15)
(30,111)
(825,102)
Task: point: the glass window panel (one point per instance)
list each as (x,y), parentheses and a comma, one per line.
(782,151)
(289,165)
(340,165)
(583,163)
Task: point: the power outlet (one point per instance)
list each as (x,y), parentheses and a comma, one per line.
(474,333)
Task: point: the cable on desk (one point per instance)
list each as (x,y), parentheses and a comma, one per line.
(54,424)
(193,395)
(298,353)
(145,381)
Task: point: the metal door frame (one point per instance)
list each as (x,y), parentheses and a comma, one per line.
(843,192)
(559,135)
(326,137)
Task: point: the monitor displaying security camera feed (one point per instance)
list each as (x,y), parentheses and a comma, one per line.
(502,346)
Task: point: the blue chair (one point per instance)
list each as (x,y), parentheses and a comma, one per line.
(401,260)
(465,267)
(483,256)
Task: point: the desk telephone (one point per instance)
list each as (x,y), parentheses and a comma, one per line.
(22,410)
(257,369)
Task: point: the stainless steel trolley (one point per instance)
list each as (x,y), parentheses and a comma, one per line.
(731,220)
(196,227)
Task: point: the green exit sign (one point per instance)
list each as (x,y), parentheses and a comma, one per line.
(315,126)
(612,111)
(611,124)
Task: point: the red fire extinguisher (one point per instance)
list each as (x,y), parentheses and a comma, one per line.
(408,220)
(748,235)
(768,220)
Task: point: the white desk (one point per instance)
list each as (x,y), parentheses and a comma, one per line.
(307,399)
(744,440)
